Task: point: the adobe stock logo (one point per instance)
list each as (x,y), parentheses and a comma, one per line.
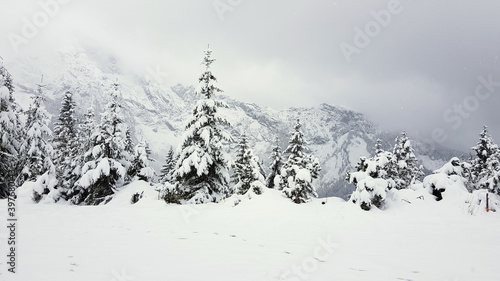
(310,264)
(31,26)
(222,7)
(363,37)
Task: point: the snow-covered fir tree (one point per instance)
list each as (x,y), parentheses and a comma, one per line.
(247,171)
(489,179)
(66,144)
(10,136)
(141,164)
(86,129)
(129,143)
(372,180)
(85,143)
(406,169)
(107,160)
(300,169)
(36,151)
(486,164)
(378,147)
(273,179)
(202,169)
(169,166)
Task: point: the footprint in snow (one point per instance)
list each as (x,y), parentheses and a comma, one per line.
(357,269)
(72,265)
(232,235)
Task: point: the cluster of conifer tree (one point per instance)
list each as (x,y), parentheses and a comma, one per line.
(399,169)
(203,172)
(86,160)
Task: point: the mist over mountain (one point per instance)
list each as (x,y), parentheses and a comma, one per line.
(157,112)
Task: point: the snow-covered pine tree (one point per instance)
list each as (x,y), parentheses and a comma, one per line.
(7,82)
(169,166)
(247,171)
(486,165)
(372,180)
(10,136)
(241,148)
(36,151)
(490,178)
(378,147)
(273,179)
(129,143)
(66,145)
(85,131)
(107,160)
(406,169)
(141,163)
(300,169)
(202,169)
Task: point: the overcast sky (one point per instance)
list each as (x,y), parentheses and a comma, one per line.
(413,65)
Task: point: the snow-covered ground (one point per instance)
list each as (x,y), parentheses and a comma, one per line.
(266,237)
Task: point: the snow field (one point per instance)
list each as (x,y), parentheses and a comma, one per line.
(267,237)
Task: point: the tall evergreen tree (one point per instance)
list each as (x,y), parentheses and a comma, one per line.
(36,150)
(483,150)
(490,178)
(275,167)
(85,131)
(486,165)
(107,161)
(168,167)
(10,136)
(66,144)
(300,169)
(129,143)
(141,163)
(202,170)
(247,171)
(406,169)
(378,147)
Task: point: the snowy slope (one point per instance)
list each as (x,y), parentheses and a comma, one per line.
(264,238)
(158,113)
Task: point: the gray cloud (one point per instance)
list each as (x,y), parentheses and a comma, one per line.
(424,62)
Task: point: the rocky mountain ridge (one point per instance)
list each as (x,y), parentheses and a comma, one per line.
(157,113)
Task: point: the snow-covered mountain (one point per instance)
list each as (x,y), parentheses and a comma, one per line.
(158,112)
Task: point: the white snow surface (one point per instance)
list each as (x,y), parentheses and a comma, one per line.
(262,237)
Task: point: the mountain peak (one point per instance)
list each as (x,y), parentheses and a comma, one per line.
(158,112)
